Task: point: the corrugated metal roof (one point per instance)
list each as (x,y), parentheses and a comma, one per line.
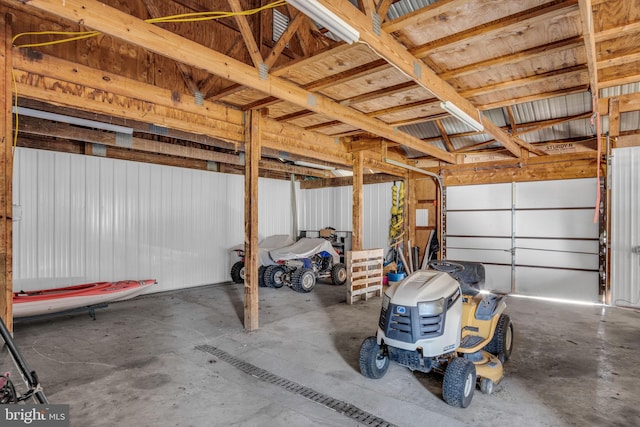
(403,7)
(620,90)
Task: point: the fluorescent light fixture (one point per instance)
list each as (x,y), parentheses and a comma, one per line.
(329,20)
(38,114)
(313,165)
(456,112)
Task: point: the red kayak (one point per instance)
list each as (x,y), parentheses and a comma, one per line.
(33,303)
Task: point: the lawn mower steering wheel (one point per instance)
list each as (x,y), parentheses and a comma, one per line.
(445,266)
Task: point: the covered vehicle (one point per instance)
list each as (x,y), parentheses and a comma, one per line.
(264,260)
(302,263)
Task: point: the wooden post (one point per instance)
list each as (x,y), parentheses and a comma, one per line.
(253,142)
(358,182)
(6,173)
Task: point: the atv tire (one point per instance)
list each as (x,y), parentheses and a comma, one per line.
(261,271)
(339,274)
(501,344)
(459,382)
(372,360)
(274,276)
(237,272)
(303,280)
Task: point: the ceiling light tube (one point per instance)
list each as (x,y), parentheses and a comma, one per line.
(313,165)
(456,112)
(329,20)
(38,114)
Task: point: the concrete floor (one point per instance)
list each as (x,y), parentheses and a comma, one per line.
(136,364)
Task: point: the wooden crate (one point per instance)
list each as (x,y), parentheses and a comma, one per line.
(364,274)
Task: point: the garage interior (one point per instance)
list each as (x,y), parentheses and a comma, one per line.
(144,139)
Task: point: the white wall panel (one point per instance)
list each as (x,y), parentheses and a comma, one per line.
(488,196)
(479,223)
(557,283)
(625,227)
(333,207)
(85,219)
(580,254)
(498,277)
(554,223)
(553,194)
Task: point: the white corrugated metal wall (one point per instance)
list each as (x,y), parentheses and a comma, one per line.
(332,207)
(82,219)
(625,227)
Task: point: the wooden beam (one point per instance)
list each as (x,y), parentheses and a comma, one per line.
(445,136)
(253,134)
(383,9)
(31,126)
(6,174)
(134,99)
(397,55)
(525,17)
(515,57)
(146,103)
(347,181)
(108,20)
(247,35)
(184,71)
(614,117)
(627,102)
(586,16)
(422,15)
(280,45)
(563,166)
(273,165)
(617,31)
(358,182)
(535,97)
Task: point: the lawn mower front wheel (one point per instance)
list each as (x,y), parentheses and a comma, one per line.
(372,360)
(459,382)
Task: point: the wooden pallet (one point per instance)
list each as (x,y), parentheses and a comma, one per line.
(364,274)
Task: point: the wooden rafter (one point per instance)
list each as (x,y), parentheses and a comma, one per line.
(514,57)
(247,34)
(397,55)
(155,39)
(185,72)
(445,136)
(119,24)
(383,9)
(504,24)
(627,103)
(421,15)
(285,38)
(207,85)
(586,15)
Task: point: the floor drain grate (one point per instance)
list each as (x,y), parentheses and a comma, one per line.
(344,408)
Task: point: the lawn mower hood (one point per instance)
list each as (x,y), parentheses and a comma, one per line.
(424,310)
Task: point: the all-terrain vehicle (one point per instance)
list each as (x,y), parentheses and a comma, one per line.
(300,265)
(437,320)
(266,245)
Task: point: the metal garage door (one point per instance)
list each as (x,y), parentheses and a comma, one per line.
(535,238)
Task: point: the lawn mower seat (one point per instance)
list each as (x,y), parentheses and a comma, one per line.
(471,278)
(470,275)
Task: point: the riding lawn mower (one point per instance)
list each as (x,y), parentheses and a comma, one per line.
(438,320)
